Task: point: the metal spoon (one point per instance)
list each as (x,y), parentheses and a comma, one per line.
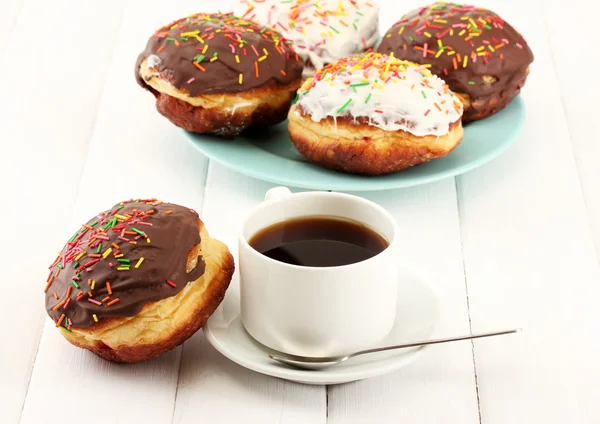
(318,363)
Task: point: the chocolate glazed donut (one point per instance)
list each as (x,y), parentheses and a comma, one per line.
(215,73)
(480,56)
(137,280)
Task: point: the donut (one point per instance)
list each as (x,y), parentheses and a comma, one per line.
(323,30)
(137,280)
(215,73)
(374,114)
(480,56)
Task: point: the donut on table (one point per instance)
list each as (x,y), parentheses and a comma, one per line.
(137,280)
(214,73)
(374,114)
(322,30)
(481,57)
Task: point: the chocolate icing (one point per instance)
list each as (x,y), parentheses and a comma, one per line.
(172,236)
(492,48)
(181,43)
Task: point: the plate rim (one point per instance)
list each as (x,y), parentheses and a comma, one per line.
(346,186)
(323,377)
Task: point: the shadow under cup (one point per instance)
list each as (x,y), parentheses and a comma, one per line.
(321,311)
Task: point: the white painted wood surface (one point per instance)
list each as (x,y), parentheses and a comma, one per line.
(578,97)
(514,243)
(8,18)
(50,95)
(530,259)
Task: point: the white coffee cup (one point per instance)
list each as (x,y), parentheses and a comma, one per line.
(318,311)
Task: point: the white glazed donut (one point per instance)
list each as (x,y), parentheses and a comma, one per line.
(375,114)
(323,30)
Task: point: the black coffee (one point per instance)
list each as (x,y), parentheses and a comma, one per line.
(318,241)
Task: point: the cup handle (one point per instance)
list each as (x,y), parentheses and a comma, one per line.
(277,193)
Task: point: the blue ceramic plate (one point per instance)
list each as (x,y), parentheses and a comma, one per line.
(270,155)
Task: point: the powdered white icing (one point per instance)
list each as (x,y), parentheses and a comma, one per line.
(405,101)
(322,30)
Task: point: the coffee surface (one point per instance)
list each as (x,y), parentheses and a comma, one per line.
(318,241)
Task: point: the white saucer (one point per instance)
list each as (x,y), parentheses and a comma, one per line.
(416,319)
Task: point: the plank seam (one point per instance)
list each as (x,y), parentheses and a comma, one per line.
(177,385)
(87,157)
(204,186)
(573,149)
(327,404)
(30,374)
(13,27)
(462,251)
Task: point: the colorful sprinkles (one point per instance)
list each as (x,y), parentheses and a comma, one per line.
(214,42)
(375,71)
(329,28)
(468,35)
(80,255)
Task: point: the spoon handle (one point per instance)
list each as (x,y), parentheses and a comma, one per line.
(436,341)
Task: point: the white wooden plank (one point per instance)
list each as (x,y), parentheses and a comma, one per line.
(578,96)
(134,152)
(418,393)
(8,18)
(208,383)
(47,113)
(530,262)
(428,219)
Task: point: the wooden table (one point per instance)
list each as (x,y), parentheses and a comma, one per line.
(515,243)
